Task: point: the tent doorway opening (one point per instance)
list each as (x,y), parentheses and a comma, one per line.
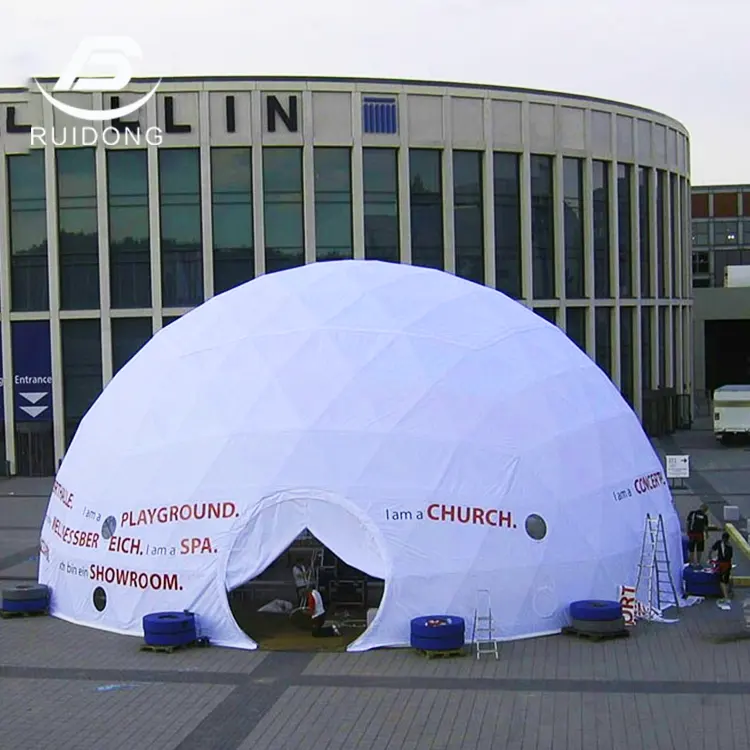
(272,607)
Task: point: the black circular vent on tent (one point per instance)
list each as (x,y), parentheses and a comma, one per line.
(536,527)
(100,599)
(109,527)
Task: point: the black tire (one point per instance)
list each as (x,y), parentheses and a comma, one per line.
(25,591)
(449,642)
(595,610)
(599,627)
(170,639)
(438,626)
(24,605)
(167,623)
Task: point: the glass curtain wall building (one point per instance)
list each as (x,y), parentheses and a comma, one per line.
(578,208)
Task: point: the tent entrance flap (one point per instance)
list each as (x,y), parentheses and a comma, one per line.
(297,537)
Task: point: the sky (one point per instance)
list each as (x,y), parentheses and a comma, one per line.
(685,58)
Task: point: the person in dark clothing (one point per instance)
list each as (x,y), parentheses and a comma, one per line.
(697,529)
(722,552)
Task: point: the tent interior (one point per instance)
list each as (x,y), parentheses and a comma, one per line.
(267,608)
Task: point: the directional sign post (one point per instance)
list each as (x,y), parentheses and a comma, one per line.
(32,366)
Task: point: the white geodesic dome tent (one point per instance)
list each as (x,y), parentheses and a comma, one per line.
(430,431)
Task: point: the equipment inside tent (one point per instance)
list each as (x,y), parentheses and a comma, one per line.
(429,431)
(269,608)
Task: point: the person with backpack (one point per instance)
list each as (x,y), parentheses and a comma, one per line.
(697,531)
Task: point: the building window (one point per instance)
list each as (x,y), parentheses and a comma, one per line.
(745,231)
(333,203)
(426,209)
(543,227)
(283,208)
(674,230)
(232,217)
(699,203)
(507,196)
(700,262)
(661,245)
(81,370)
(701,283)
(468,214)
(129,235)
(603,338)
(548,313)
(700,233)
(128,337)
(575,326)
(644,229)
(627,360)
(624,233)
(726,233)
(575,264)
(78,229)
(662,351)
(29,280)
(181,227)
(646,337)
(380,177)
(602,279)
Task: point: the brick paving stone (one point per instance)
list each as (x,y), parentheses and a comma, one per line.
(75,716)
(46,642)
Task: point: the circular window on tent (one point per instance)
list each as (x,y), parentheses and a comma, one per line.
(109,527)
(536,527)
(100,599)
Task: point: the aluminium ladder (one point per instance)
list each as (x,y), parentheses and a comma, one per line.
(483,631)
(654,569)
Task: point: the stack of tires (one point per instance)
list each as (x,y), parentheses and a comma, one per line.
(597,617)
(699,582)
(169,629)
(25,598)
(438,633)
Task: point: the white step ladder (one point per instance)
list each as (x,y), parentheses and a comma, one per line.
(483,631)
(654,572)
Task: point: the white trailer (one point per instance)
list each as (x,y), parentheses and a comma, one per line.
(737,275)
(731,410)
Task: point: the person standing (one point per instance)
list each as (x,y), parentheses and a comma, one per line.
(697,528)
(301,582)
(722,552)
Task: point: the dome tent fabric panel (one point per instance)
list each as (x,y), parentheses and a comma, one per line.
(466,438)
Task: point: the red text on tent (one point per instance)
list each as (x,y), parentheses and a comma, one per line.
(135,579)
(649,482)
(468,514)
(74,537)
(63,495)
(179,513)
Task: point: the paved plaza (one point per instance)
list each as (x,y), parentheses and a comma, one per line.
(684,685)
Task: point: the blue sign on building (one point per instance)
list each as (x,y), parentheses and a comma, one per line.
(380,115)
(32,371)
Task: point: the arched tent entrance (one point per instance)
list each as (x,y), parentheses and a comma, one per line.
(269,528)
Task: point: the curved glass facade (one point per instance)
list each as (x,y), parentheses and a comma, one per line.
(576,207)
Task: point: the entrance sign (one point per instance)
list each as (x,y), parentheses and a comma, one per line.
(32,377)
(372,404)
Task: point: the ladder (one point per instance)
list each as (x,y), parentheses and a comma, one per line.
(653,568)
(483,635)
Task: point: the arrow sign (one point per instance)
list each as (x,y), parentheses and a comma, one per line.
(33,411)
(32,398)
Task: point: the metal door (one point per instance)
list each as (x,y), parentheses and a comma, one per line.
(35,449)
